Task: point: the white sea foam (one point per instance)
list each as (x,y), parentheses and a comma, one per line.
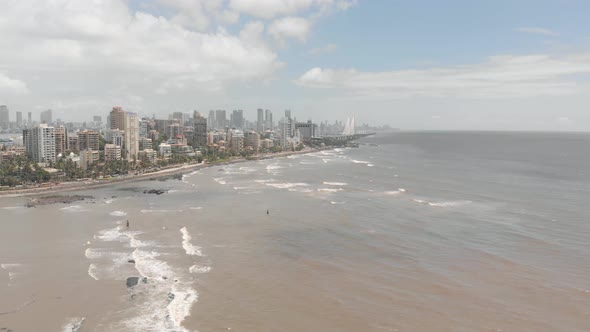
(220,180)
(154,211)
(92,271)
(340,184)
(73,208)
(180,307)
(402,190)
(168,299)
(11,207)
(287,185)
(240,188)
(421,201)
(13,270)
(264,181)
(370,165)
(189,248)
(73,324)
(337,203)
(307,163)
(449,204)
(330,190)
(360,162)
(196,208)
(109,235)
(199,269)
(273,167)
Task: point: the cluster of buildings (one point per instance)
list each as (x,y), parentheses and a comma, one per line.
(126,136)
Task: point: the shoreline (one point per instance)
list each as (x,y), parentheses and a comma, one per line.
(181,169)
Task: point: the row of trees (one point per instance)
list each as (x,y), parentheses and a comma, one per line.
(22,170)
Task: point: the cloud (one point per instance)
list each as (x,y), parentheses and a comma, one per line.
(538,31)
(322,50)
(498,77)
(269,9)
(100,49)
(12,86)
(290,27)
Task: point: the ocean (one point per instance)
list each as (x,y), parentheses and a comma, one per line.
(412,231)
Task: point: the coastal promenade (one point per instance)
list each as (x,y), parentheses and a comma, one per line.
(164,173)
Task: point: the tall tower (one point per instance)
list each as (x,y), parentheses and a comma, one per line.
(19,119)
(268,120)
(260,123)
(200,130)
(47,117)
(4,117)
(40,143)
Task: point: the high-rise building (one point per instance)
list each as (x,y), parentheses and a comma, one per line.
(112,152)
(306,129)
(30,119)
(285,128)
(288,113)
(97,118)
(131,129)
(268,119)
(117,118)
(211,120)
(260,121)
(200,130)
(144,125)
(115,136)
(47,117)
(88,140)
(178,117)
(237,119)
(61,140)
(129,123)
(74,143)
(4,117)
(174,130)
(237,141)
(252,140)
(19,119)
(145,143)
(221,119)
(39,143)
(88,157)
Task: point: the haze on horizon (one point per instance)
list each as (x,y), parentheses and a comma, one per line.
(501,65)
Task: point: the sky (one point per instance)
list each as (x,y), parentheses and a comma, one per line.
(434,65)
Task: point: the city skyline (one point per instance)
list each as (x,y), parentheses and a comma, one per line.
(421,65)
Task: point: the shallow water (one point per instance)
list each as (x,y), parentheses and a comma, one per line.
(424,231)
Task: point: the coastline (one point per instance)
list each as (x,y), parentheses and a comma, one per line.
(178,170)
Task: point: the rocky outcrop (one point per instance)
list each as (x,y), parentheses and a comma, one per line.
(56,199)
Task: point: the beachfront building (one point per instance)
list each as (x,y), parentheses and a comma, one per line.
(307,130)
(200,136)
(252,140)
(182,150)
(88,140)
(74,143)
(148,156)
(87,158)
(165,150)
(237,141)
(61,140)
(128,123)
(145,144)
(39,143)
(112,152)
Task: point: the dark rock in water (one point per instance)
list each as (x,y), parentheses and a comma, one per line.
(171,296)
(155,191)
(177,176)
(56,199)
(133,296)
(132,281)
(165,278)
(220,170)
(132,261)
(144,280)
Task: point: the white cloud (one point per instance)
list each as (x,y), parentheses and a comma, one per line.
(322,50)
(268,9)
(538,31)
(9,86)
(290,27)
(101,50)
(498,77)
